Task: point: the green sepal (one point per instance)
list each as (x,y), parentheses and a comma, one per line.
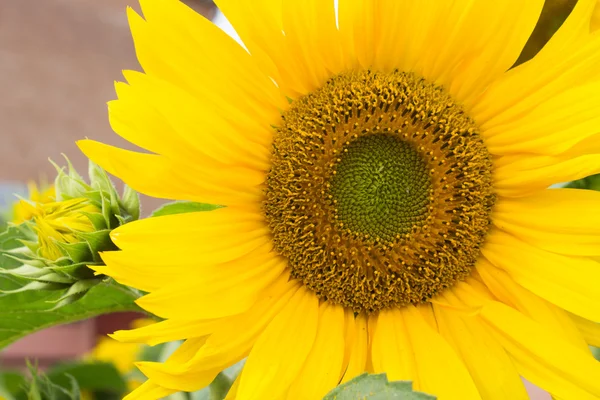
(76,252)
(97,220)
(24,271)
(75,292)
(69,185)
(376,387)
(22,258)
(31,246)
(35,285)
(75,271)
(130,201)
(51,277)
(97,241)
(99,180)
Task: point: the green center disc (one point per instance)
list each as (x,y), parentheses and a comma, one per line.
(381,187)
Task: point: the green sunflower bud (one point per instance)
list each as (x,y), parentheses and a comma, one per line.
(63,238)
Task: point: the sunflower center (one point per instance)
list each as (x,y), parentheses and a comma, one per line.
(380,190)
(381,187)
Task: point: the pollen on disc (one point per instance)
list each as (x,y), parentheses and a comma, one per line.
(380,190)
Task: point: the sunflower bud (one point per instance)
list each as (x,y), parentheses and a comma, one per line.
(63,237)
(43,193)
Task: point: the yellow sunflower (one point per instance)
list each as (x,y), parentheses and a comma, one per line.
(385,176)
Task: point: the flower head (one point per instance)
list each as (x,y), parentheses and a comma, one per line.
(60,223)
(64,237)
(385,172)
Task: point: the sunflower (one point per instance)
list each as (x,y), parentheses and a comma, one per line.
(385,174)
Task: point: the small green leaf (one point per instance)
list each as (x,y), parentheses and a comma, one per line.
(181,207)
(376,387)
(24,313)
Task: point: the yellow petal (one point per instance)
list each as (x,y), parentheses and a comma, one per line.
(323,366)
(542,356)
(281,350)
(229,343)
(473,43)
(243,141)
(490,367)
(167,331)
(441,372)
(310,34)
(568,282)
(161,376)
(304,57)
(172,45)
(222,290)
(525,174)
(396,45)
(191,382)
(232,393)
(511,293)
(357,352)
(221,221)
(463,45)
(595,25)
(202,231)
(565,221)
(159,273)
(391,350)
(568,60)
(589,329)
(233,339)
(552,127)
(359,31)
(264,39)
(149,391)
(407,348)
(161,177)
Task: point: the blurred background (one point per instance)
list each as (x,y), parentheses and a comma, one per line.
(58,59)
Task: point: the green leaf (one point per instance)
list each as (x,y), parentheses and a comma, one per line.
(24,313)
(220,386)
(590,182)
(181,207)
(375,387)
